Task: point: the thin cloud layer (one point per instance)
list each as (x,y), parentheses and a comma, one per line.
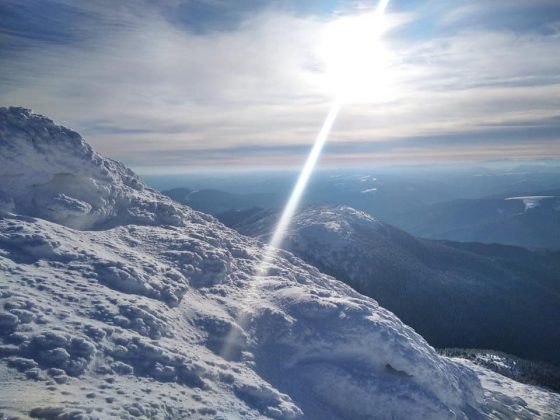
(147,85)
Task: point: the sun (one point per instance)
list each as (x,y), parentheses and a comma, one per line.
(356,59)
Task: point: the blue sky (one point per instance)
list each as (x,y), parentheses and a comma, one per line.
(180,84)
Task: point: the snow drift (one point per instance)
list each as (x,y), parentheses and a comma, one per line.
(116,302)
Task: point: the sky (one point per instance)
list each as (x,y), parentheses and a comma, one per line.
(179,85)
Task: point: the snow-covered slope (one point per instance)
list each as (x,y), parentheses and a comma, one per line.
(454,295)
(131,319)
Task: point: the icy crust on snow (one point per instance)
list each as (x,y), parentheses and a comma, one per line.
(76,337)
(131,320)
(48,171)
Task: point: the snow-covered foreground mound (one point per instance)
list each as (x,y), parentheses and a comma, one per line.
(132,320)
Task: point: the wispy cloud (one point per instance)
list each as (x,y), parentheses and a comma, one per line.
(149,85)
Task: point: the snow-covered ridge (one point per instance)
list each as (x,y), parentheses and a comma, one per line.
(130,319)
(49,171)
(322,223)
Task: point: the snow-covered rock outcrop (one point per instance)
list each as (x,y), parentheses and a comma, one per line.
(48,171)
(117,303)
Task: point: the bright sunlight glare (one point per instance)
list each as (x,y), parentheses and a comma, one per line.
(356,59)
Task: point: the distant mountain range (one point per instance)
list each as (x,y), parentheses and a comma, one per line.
(216,201)
(454,294)
(528,221)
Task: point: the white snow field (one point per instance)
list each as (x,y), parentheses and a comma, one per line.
(115,303)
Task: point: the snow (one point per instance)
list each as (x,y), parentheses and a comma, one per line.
(501,392)
(48,171)
(326,233)
(533,201)
(369,190)
(117,303)
(497,360)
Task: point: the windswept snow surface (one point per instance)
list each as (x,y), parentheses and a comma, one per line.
(116,302)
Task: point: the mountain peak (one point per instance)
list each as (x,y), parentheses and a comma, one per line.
(49,171)
(20,127)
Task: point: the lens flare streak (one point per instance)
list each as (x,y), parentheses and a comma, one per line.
(233,339)
(233,342)
(303,179)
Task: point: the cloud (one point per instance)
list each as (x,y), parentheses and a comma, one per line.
(513,15)
(146,85)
